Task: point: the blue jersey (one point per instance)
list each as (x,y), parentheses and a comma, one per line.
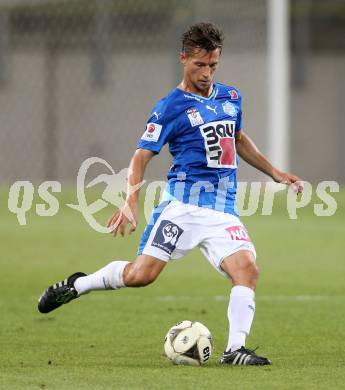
(201,136)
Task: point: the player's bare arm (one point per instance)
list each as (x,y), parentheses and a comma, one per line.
(249,152)
(128,213)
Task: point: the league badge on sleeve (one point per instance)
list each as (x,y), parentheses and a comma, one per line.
(233,94)
(194,117)
(152,133)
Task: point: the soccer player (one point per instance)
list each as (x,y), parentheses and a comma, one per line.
(201,120)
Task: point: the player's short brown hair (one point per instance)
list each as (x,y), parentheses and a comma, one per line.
(202,36)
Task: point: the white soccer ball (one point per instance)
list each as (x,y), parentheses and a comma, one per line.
(189,343)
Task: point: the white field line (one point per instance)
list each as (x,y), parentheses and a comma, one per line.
(270,298)
(220,298)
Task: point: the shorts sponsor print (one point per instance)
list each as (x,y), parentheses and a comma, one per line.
(166,236)
(238,233)
(178,227)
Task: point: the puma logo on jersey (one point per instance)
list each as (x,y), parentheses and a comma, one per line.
(156,114)
(212,109)
(219,139)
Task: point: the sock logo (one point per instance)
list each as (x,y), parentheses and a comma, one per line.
(167,236)
(251,307)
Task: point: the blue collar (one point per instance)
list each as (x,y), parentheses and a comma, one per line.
(199,96)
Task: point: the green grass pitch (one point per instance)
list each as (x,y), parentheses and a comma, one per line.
(114,339)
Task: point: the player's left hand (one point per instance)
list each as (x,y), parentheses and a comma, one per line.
(289,179)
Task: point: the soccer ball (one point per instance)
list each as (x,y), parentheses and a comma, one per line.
(189,343)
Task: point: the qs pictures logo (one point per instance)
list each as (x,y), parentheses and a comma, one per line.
(252,198)
(116,187)
(21,195)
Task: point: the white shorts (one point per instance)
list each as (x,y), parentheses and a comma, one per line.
(176,228)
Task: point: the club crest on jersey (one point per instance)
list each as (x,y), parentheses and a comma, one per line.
(233,94)
(229,108)
(219,139)
(152,132)
(194,117)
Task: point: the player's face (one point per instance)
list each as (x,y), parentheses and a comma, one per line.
(199,69)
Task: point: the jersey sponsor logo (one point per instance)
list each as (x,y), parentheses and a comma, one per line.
(152,133)
(219,138)
(233,94)
(238,233)
(167,236)
(229,108)
(194,117)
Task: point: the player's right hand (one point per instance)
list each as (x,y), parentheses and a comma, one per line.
(121,218)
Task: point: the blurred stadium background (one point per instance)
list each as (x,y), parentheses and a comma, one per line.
(78,79)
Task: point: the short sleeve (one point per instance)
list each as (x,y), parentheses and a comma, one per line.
(238,126)
(159,129)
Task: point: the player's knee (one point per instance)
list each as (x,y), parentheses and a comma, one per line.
(143,280)
(254,271)
(246,275)
(251,275)
(139,277)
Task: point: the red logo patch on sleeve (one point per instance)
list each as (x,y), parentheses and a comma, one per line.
(151,128)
